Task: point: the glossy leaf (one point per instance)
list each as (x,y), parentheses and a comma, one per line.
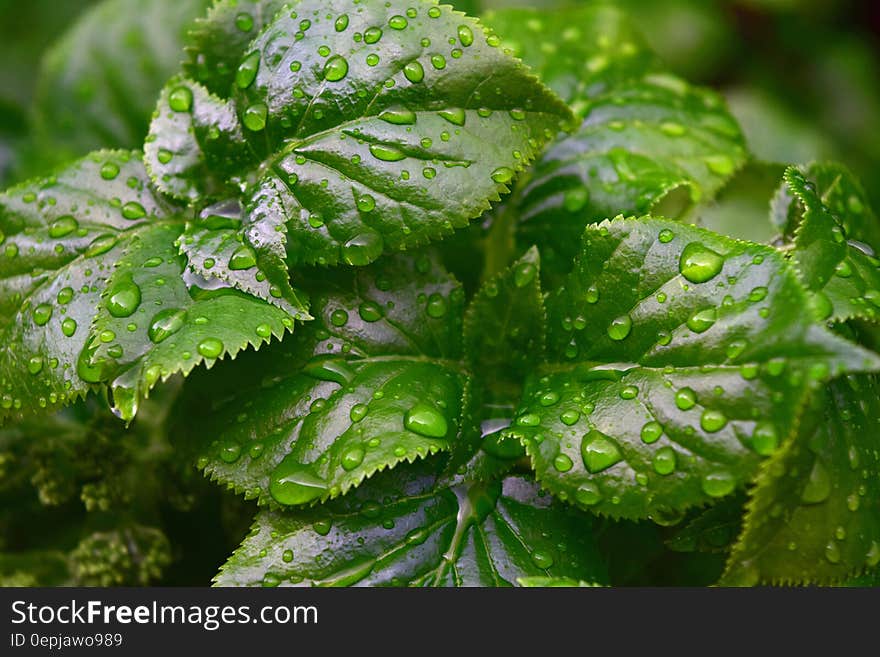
(60,239)
(646,136)
(834,241)
(375,380)
(98,84)
(684,358)
(152,322)
(814,515)
(364,131)
(405,528)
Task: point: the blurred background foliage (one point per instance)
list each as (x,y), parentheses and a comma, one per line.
(802,77)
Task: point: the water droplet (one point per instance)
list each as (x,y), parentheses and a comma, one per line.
(570,418)
(372,35)
(244,22)
(718,484)
(455,115)
(387,153)
(818,486)
(425,421)
(247,70)
(685,399)
(243,258)
(398,116)
(366,203)
(210,347)
(629,392)
(588,494)
(832,552)
(620,328)
(651,432)
(666,236)
(599,451)
(254,117)
(68,326)
(503,175)
(413,71)
(123,298)
(180,99)
(713,420)
(341,23)
(765,439)
(758,294)
(358,412)
(873,556)
(165,323)
(230,452)
(549,398)
(438,61)
(109,170)
(699,263)
(370,312)
(339,317)
(42,314)
(843,269)
(397,22)
(133,210)
(62,227)
(290,483)
(352,458)
(563,463)
(335,69)
(287,556)
(35,365)
(542,559)
(363,248)
(592,294)
(436,307)
(664,461)
(465,35)
(524,274)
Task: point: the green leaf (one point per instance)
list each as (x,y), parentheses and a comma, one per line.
(554,582)
(354,133)
(834,240)
(505,325)
(645,133)
(215,249)
(579,52)
(684,358)
(59,239)
(98,84)
(814,515)
(153,322)
(375,380)
(215,43)
(405,528)
(714,529)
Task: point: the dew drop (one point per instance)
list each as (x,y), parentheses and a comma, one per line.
(363,248)
(818,486)
(455,116)
(599,451)
(699,263)
(243,258)
(42,314)
(465,35)
(166,323)
(247,70)
(254,117)
(588,494)
(398,116)
(291,484)
(335,69)
(712,420)
(651,432)
(180,99)
(210,347)
(413,71)
(620,328)
(685,399)
(425,421)
(503,175)
(352,458)
(664,461)
(562,463)
(123,298)
(718,484)
(109,170)
(62,227)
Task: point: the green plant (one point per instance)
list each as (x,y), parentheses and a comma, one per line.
(444,299)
